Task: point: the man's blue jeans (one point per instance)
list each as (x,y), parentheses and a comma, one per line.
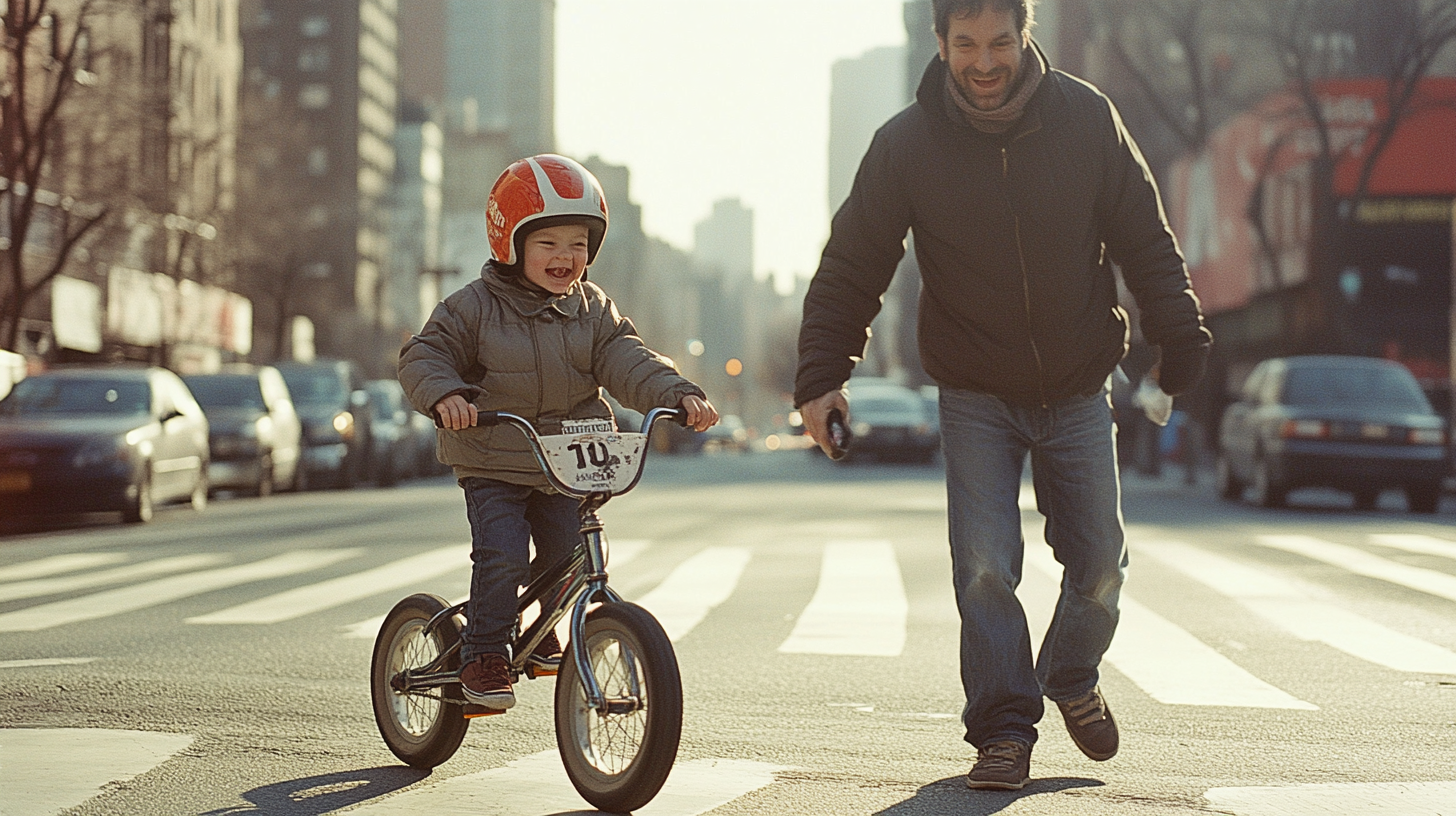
(1074,472)
(504,518)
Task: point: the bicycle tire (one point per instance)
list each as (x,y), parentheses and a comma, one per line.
(618,762)
(423,729)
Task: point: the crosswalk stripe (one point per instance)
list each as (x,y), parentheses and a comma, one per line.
(1412,542)
(164,590)
(694,588)
(1431,582)
(1320,799)
(859,607)
(537,785)
(1288,606)
(1172,665)
(624,551)
(48,770)
(160,566)
(57,564)
(296,603)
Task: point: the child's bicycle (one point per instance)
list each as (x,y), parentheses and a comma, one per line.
(619,698)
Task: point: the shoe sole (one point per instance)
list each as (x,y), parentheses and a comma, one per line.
(499,702)
(981,784)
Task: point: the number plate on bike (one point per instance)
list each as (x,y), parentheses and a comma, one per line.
(596,461)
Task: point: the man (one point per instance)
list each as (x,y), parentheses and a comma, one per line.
(1023,188)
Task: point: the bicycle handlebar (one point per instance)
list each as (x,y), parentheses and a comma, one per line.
(489,418)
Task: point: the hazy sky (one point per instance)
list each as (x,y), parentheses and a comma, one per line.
(710,99)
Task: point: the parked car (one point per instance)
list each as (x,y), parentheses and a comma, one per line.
(331,402)
(395,451)
(255,435)
(889,422)
(728,435)
(1357,424)
(92,439)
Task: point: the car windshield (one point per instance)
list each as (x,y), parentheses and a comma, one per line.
(314,386)
(43,396)
(885,405)
(1325,386)
(226,392)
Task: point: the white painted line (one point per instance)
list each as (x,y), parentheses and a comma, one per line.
(45,661)
(1411,542)
(146,569)
(1431,582)
(621,552)
(305,600)
(1172,665)
(57,564)
(694,588)
(1366,799)
(164,590)
(1289,606)
(48,770)
(859,607)
(536,785)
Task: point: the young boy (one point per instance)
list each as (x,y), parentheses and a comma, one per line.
(533,338)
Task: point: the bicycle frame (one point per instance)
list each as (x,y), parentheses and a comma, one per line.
(573,584)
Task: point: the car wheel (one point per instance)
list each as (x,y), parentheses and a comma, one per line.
(141,508)
(1366,498)
(1229,486)
(1423,497)
(1268,492)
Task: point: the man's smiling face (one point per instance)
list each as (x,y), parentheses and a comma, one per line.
(555,257)
(983,53)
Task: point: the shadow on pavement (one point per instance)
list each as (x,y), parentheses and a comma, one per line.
(951,796)
(317,795)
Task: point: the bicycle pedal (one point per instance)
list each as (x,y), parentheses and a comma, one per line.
(541,671)
(471,711)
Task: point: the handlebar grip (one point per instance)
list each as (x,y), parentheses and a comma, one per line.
(485,419)
(840,437)
(679,417)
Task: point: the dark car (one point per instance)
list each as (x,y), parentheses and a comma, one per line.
(1357,424)
(889,422)
(331,402)
(394,435)
(255,434)
(101,439)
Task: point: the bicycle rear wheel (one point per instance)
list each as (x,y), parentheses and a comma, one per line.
(619,760)
(420,727)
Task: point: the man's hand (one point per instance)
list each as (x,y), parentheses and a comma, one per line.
(815,413)
(455,413)
(701,413)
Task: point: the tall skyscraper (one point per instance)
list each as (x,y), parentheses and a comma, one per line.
(864,92)
(500,69)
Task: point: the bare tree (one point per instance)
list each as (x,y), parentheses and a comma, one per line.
(45,52)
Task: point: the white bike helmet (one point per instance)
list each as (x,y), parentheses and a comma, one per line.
(543,191)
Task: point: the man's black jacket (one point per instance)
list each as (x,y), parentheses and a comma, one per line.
(1015,235)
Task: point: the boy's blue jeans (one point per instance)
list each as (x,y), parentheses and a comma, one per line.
(1074,472)
(504,518)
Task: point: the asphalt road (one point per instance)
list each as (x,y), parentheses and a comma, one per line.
(1295,661)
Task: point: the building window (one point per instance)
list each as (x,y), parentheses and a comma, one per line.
(313,96)
(318,161)
(314,59)
(315,26)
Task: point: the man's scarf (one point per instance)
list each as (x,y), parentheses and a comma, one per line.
(1001,119)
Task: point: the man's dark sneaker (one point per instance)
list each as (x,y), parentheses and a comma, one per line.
(486,681)
(1090,723)
(545,659)
(1001,765)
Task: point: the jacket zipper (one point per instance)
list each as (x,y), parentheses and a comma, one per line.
(540,379)
(1025,280)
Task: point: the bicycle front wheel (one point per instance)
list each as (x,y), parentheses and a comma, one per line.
(619,760)
(420,727)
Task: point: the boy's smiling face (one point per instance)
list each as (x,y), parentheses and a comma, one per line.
(555,257)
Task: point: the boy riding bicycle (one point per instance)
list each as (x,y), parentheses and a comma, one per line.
(532,337)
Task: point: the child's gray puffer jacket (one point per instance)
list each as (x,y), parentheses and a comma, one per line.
(507,346)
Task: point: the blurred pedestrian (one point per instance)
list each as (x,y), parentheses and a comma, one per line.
(1023,188)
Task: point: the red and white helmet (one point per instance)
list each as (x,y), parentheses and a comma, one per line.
(543,191)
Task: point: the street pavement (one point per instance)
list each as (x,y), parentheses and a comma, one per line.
(1294,661)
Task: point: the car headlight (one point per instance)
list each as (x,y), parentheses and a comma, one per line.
(344,424)
(102,453)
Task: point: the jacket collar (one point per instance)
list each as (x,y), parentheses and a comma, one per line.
(528,300)
(1040,111)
